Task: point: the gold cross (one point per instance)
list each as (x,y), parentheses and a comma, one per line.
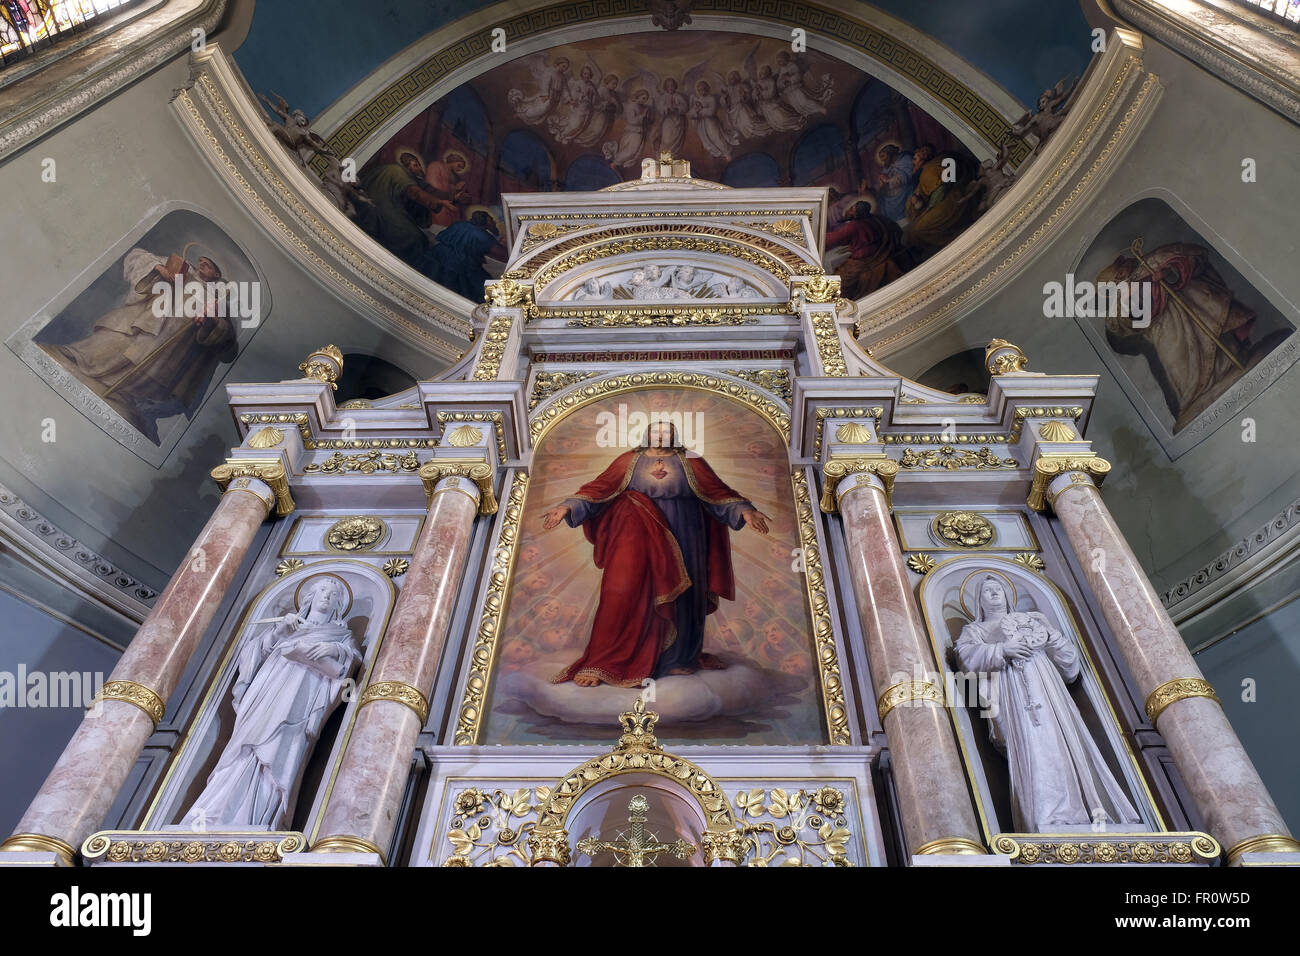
(639,848)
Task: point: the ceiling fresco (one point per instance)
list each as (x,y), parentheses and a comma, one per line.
(746,112)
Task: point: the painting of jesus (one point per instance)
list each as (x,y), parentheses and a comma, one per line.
(659,553)
(659,522)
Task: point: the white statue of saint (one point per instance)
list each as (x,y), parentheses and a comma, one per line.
(289,681)
(1058,775)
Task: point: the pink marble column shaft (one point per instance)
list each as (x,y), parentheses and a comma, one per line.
(1224,783)
(77,794)
(367,794)
(936,806)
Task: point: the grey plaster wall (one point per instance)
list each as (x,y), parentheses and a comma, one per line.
(115,167)
(1178,515)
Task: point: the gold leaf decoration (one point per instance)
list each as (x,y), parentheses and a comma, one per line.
(1030,560)
(288,566)
(1057,431)
(396,567)
(267,437)
(920,563)
(964,528)
(853,433)
(464,436)
(358,533)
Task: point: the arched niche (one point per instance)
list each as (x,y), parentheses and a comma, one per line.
(371,595)
(947,595)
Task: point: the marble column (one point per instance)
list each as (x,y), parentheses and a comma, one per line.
(938,817)
(79,791)
(1228,791)
(363,806)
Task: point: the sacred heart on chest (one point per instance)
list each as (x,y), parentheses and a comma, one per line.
(660,470)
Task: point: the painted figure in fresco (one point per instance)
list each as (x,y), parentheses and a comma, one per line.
(940,207)
(1198,343)
(876,254)
(1058,776)
(897,180)
(459,253)
(671,109)
(638,115)
(579,101)
(607,105)
(658,520)
(710,122)
(743,112)
(794,93)
(147,358)
(552,82)
(445,179)
(772,105)
(404,208)
(290,679)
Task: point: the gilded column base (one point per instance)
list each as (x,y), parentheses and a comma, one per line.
(959,846)
(341,843)
(1265,843)
(39,843)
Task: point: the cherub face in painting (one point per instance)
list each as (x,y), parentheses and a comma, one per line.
(548,611)
(765,72)
(795,665)
(553,639)
(753,611)
(529,553)
(733,77)
(774,633)
(536,583)
(610,81)
(670,85)
(642,96)
(760,449)
(702,88)
(586,73)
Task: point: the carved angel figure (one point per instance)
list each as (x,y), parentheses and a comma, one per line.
(295,131)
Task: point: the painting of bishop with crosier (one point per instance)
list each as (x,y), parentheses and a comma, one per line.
(147,341)
(666,565)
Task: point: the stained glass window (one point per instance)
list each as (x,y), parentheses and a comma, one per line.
(1288,10)
(28,26)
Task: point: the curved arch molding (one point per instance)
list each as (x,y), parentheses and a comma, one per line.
(900,55)
(228,129)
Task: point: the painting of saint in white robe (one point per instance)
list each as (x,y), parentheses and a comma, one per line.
(1058,775)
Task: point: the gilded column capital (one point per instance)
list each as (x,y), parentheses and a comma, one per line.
(475,469)
(1001,357)
(130,692)
(325,365)
(1172,691)
(835,471)
(269,470)
(730,846)
(550,845)
(1050,467)
(507,293)
(398,692)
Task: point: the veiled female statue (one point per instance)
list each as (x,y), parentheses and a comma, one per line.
(1058,775)
(289,681)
